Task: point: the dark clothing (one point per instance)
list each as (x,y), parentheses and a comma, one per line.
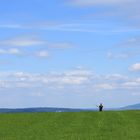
(100,107)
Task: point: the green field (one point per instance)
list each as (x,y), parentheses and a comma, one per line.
(110,125)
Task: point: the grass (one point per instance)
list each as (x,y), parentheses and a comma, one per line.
(110,125)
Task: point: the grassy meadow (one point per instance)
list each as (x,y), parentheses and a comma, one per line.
(109,125)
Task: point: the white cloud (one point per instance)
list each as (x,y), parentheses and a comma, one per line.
(19,46)
(42,54)
(20,79)
(76,79)
(72,80)
(135,67)
(31,40)
(14,51)
(131,84)
(104,86)
(17,52)
(22,41)
(11,51)
(115,77)
(72,77)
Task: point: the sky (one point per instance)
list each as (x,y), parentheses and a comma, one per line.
(69,53)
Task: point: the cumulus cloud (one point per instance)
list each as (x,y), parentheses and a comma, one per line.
(73,79)
(135,67)
(20,79)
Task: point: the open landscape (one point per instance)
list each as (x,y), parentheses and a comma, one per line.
(108,125)
(69,69)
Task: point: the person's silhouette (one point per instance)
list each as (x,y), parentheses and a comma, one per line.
(100,107)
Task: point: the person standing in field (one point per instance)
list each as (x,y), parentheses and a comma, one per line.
(101,107)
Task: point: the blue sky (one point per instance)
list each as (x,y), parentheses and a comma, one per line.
(73,53)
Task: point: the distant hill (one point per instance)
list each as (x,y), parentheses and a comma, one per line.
(53,109)
(43,109)
(132,107)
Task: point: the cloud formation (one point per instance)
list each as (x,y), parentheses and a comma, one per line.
(20,46)
(23,41)
(11,51)
(73,79)
(43,54)
(31,40)
(135,67)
